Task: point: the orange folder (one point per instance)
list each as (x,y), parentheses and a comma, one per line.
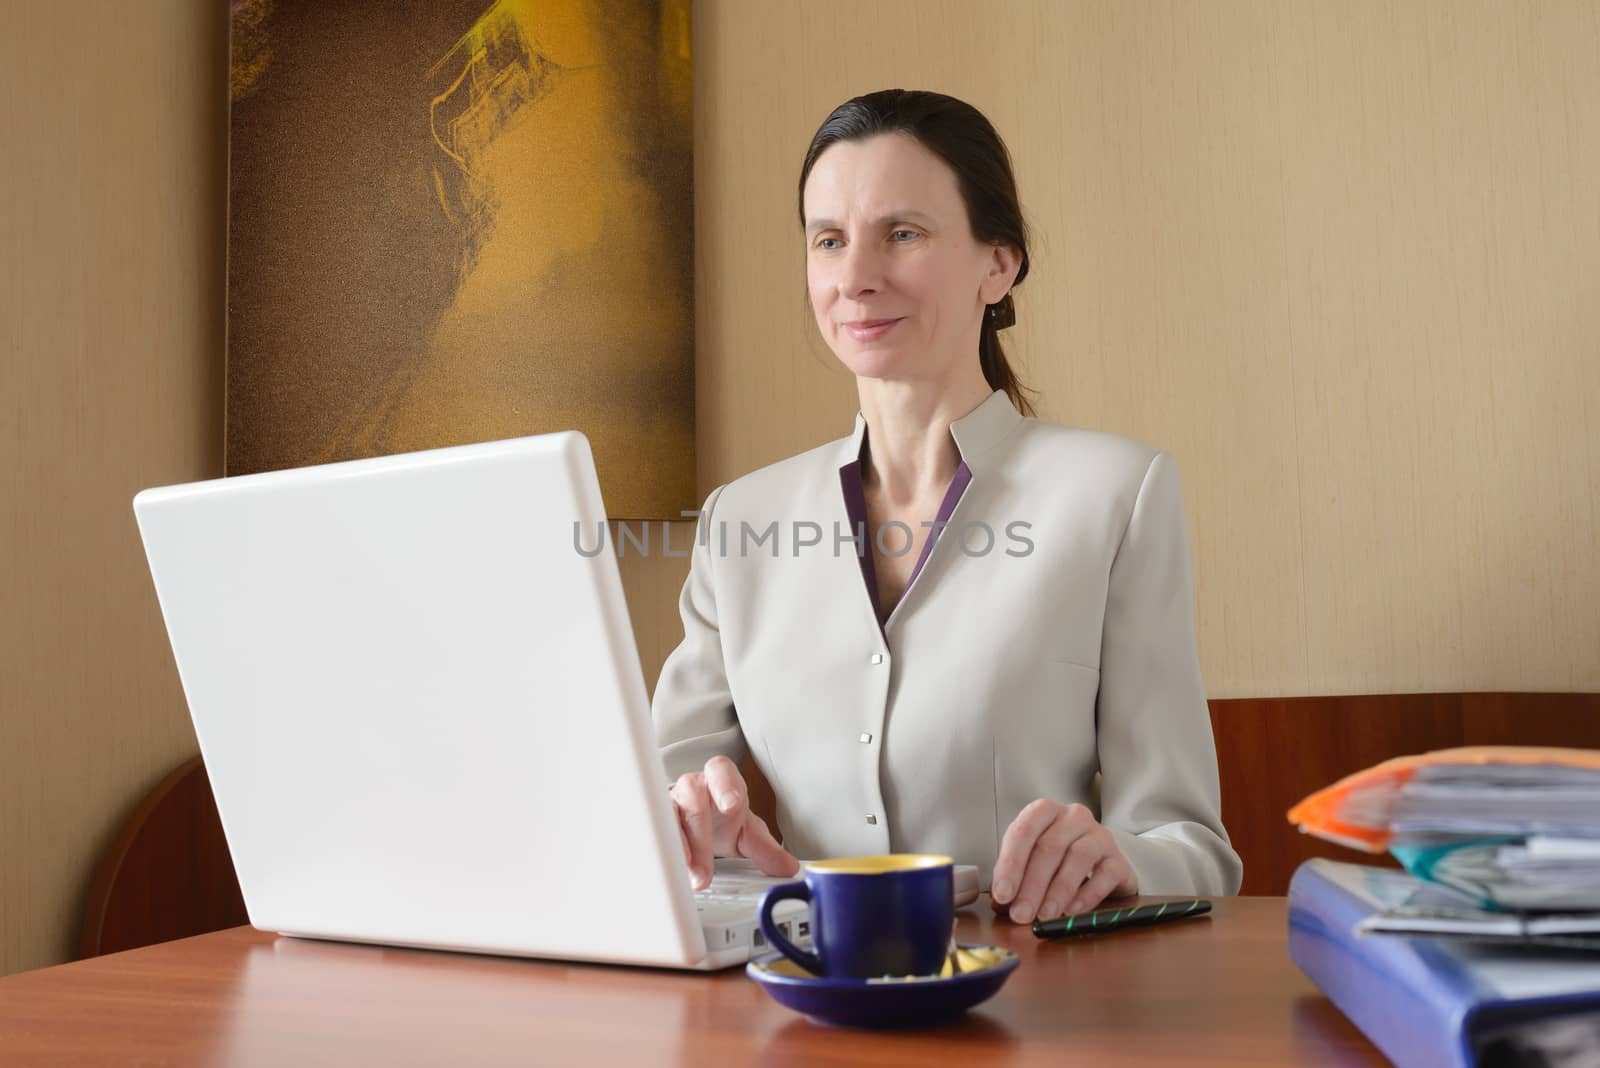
(1327,813)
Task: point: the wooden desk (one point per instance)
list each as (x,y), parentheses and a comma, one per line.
(1219,990)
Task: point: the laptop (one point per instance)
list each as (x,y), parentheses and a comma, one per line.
(421,709)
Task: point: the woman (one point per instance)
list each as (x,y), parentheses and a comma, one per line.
(1020,614)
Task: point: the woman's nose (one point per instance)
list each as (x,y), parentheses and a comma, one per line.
(860,271)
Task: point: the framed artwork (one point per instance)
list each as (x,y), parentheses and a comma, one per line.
(459,221)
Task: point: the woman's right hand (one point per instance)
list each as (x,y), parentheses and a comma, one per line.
(714,820)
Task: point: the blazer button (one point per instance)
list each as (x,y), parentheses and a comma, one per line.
(877,658)
(872,820)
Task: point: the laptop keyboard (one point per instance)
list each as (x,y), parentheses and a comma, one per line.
(728,906)
(737,883)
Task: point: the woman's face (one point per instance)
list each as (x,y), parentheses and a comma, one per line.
(887,238)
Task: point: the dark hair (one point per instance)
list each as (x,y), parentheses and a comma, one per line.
(959,134)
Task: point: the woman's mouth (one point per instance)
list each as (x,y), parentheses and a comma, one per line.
(871,329)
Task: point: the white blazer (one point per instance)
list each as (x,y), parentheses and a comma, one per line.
(1065,649)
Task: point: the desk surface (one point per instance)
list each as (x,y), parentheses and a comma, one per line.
(1216,990)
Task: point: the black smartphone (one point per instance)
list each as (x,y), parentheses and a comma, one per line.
(1112,918)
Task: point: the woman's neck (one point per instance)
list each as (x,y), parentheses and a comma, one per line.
(911,454)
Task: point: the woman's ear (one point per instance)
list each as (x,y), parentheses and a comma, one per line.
(1004,263)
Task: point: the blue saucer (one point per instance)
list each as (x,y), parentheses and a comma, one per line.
(909,1002)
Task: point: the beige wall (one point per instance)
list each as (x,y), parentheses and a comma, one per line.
(1339,258)
(111,216)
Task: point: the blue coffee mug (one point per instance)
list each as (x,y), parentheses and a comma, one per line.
(871,916)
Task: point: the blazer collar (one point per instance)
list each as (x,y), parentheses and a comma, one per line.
(976,433)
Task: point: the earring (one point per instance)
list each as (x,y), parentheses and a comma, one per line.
(1003,313)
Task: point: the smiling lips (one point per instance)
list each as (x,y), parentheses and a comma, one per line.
(869,329)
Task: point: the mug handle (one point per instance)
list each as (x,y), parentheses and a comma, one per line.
(785,892)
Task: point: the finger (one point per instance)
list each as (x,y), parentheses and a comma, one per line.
(1109,874)
(683,837)
(1114,868)
(757,843)
(695,809)
(727,785)
(1086,852)
(1016,847)
(1052,849)
(688,847)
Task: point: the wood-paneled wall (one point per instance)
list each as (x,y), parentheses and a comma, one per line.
(111,239)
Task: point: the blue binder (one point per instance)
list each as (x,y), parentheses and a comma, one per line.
(1422,1001)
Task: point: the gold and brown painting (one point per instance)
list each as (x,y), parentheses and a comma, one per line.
(453,222)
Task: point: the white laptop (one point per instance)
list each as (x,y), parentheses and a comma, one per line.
(422,712)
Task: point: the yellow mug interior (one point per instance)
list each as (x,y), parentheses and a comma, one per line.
(878,865)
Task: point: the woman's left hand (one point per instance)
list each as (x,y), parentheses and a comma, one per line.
(1057,860)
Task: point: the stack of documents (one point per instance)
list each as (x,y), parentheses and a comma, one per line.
(1534,873)
(1413,906)
(1486,950)
(1516,828)
(1496,798)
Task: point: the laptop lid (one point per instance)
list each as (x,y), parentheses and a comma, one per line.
(421,707)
